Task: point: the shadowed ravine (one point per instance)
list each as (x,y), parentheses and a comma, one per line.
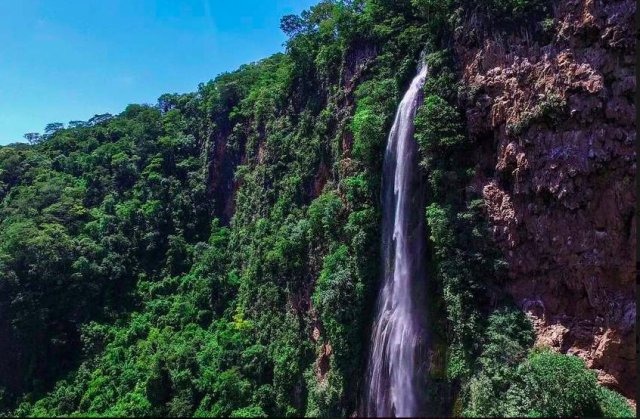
(395,367)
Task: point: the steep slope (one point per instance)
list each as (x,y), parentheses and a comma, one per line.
(557,122)
(218,253)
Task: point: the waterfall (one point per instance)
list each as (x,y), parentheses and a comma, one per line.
(396,358)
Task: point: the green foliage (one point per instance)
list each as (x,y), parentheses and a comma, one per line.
(438,128)
(613,405)
(334,292)
(463,260)
(513,11)
(550,384)
(324,216)
(218,254)
(545,384)
(551,108)
(372,120)
(248,412)
(366,125)
(77,238)
(506,340)
(547,25)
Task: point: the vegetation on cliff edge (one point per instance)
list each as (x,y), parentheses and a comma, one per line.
(127,289)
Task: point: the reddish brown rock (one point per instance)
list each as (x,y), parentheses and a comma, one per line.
(561,119)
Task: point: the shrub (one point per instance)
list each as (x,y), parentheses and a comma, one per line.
(249,412)
(552,384)
(550,109)
(507,337)
(438,128)
(546,384)
(613,405)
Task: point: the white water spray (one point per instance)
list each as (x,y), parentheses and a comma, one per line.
(395,365)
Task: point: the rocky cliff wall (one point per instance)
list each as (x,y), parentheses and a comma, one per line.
(554,121)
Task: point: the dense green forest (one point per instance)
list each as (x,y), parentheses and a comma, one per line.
(217,253)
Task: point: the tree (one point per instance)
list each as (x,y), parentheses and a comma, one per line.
(291,25)
(32,137)
(78,124)
(52,128)
(98,119)
(167,101)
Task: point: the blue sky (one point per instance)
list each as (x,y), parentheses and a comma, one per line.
(63,60)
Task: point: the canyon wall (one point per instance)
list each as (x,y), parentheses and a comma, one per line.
(553,120)
(554,123)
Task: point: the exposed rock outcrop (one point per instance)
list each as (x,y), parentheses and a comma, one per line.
(558,181)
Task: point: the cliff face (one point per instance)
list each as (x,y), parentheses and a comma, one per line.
(555,130)
(554,124)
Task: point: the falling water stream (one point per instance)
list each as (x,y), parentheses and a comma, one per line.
(395,366)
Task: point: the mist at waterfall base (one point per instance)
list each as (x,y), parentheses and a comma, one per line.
(397,364)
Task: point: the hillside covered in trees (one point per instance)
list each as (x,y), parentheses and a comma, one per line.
(218,253)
